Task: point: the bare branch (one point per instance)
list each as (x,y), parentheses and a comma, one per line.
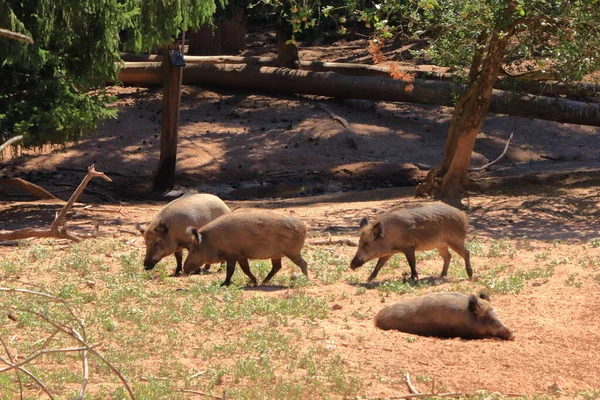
(336,117)
(91,173)
(41,353)
(201,393)
(31,188)
(48,296)
(12,361)
(69,331)
(56,230)
(11,140)
(496,160)
(40,384)
(444,395)
(411,388)
(15,35)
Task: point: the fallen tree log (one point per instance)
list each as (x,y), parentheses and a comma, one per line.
(36,191)
(504,82)
(283,80)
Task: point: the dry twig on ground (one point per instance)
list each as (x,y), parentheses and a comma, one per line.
(496,160)
(61,328)
(57,229)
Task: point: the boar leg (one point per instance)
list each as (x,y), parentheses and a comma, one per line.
(380,263)
(445,254)
(276,267)
(179,258)
(299,261)
(460,249)
(246,269)
(230,271)
(412,262)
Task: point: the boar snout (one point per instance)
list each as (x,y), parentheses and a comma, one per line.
(506,334)
(356,263)
(149,264)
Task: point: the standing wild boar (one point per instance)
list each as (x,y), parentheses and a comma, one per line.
(445,315)
(243,235)
(406,230)
(167,235)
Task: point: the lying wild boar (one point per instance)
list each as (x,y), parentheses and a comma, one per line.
(406,230)
(167,235)
(445,315)
(243,235)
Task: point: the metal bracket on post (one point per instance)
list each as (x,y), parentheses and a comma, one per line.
(177,58)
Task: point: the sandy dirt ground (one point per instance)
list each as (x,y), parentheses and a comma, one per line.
(284,152)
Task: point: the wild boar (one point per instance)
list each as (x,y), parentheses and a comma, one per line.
(244,235)
(445,315)
(406,230)
(166,233)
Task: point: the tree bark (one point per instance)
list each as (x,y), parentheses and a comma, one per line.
(36,191)
(287,51)
(575,91)
(330,84)
(228,36)
(467,119)
(165,174)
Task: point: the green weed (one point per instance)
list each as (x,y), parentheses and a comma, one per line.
(573,281)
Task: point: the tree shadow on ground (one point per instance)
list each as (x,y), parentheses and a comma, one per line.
(231,140)
(265,288)
(422,282)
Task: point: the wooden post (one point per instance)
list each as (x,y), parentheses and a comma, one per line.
(164,179)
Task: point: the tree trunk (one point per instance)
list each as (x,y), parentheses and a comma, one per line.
(227,37)
(576,91)
(449,181)
(165,174)
(287,51)
(283,80)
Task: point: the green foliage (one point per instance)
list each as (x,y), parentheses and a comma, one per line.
(561,37)
(150,23)
(53,90)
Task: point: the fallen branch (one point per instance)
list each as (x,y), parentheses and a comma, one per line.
(411,388)
(336,117)
(10,357)
(414,394)
(57,229)
(496,160)
(10,141)
(15,35)
(211,396)
(446,395)
(31,188)
(78,334)
(427,395)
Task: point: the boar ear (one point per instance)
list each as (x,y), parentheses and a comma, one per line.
(139,228)
(484,294)
(194,232)
(475,306)
(378,231)
(162,228)
(363,222)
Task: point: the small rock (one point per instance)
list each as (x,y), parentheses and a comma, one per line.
(91,284)
(336,307)
(554,388)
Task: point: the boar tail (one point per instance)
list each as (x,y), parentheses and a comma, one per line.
(484,294)
(193,231)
